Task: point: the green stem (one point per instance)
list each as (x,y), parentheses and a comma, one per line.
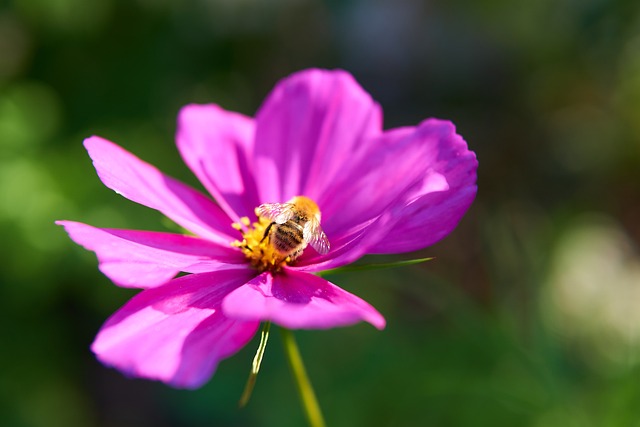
(307,395)
(255,366)
(363,267)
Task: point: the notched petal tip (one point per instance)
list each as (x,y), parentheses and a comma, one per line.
(321,117)
(441,192)
(94,139)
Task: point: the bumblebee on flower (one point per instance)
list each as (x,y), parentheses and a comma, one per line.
(282,232)
(345,189)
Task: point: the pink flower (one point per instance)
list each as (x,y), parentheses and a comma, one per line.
(317,135)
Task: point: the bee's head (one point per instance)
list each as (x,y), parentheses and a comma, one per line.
(306,205)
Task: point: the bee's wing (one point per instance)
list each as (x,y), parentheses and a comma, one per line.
(277,212)
(313,234)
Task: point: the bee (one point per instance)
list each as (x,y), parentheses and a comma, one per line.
(294,225)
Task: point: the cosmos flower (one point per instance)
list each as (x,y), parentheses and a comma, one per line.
(318,136)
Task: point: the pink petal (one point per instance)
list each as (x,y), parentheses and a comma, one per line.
(176,333)
(394,162)
(142,183)
(357,209)
(434,205)
(298,300)
(309,129)
(409,192)
(351,245)
(143,259)
(216,144)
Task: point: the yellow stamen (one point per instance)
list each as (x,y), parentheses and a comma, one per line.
(256,247)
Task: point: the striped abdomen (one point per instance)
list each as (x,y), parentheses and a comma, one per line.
(287,238)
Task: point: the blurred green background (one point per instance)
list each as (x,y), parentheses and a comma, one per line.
(528,316)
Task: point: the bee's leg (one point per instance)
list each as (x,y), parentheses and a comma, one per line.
(266,232)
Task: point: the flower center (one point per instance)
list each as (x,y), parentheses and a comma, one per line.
(281,233)
(256,246)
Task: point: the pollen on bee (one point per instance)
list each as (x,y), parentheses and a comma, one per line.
(256,247)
